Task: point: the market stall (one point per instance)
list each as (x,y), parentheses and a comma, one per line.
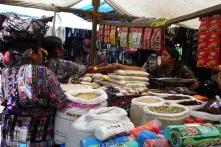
(120,108)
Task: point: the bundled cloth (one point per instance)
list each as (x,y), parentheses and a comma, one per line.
(146,38)
(135,36)
(130,78)
(157,39)
(123,34)
(14,27)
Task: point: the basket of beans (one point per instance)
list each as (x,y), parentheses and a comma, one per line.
(176,98)
(167,114)
(192,104)
(210,111)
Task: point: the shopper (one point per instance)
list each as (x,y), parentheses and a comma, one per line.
(64,69)
(30,93)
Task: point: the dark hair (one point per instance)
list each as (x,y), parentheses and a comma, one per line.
(173,52)
(22,45)
(50,43)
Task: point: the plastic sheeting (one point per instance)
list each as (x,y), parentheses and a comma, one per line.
(33,3)
(142,8)
(163,8)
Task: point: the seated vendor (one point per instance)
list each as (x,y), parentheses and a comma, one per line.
(64,69)
(170,67)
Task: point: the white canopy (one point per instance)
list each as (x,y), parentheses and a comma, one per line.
(142,8)
(164,8)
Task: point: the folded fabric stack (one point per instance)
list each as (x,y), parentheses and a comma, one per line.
(130,78)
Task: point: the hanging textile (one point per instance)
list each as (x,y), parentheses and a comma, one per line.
(135,35)
(113,35)
(73,42)
(122,34)
(157,39)
(100,33)
(146,38)
(107,34)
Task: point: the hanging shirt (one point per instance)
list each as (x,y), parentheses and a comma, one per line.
(64,69)
(28,116)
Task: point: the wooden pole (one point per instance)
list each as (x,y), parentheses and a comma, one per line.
(96,4)
(162,23)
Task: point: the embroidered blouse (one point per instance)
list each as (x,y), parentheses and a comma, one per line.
(29,119)
(64,69)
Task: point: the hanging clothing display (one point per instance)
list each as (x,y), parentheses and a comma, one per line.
(123,36)
(73,44)
(113,53)
(100,33)
(113,33)
(135,35)
(104,34)
(146,38)
(107,34)
(157,39)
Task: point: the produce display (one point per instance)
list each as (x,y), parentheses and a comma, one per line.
(176,97)
(167,109)
(212,108)
(190,103)
(86,96)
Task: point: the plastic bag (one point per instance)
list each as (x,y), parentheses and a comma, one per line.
(100,96)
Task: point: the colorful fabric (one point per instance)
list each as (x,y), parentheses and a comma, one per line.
(157,39)
(107,34)
(100,33)
(146,38)
(14,27)
(113,32)
(122,34)
(28,116)
(135,37)
(64,69)
(180,71)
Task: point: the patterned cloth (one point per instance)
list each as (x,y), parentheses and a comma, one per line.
(29,119)
(64,69)
(14,27)
(180,71)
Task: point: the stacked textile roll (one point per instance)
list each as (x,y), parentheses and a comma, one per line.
(130,78)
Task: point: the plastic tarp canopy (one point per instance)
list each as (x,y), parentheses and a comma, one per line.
(141,8)
(163,8)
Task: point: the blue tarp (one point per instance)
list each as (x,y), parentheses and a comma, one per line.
(86,5)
